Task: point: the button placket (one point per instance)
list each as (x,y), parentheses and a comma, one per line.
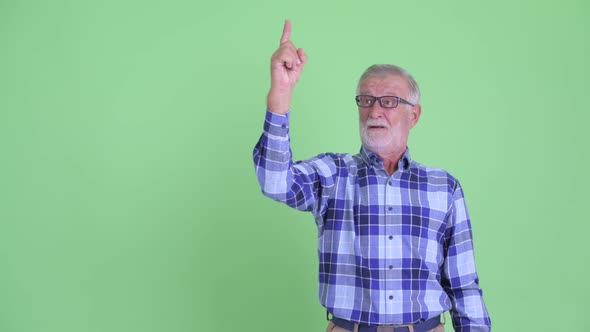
(392,212)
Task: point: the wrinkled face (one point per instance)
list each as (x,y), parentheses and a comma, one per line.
(385,130)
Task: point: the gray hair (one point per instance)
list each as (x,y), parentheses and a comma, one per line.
(384,70)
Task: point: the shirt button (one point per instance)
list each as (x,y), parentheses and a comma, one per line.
(391,237)
(390,183)
(284,126)
(390,267)
(390,208)
(391,297)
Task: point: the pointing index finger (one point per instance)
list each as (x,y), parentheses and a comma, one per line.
(286,32)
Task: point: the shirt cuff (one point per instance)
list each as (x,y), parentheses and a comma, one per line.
(276,124)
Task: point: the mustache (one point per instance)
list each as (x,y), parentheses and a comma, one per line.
(376,123)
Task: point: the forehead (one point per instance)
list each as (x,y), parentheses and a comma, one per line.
(385,84)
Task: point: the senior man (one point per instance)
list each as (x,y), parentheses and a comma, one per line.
(394,237)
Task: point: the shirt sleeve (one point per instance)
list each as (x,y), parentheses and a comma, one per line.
(460,280)
(303,185)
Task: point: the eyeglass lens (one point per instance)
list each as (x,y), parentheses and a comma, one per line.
(386,101)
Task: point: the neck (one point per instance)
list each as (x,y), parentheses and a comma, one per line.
(390,160)
(390,166)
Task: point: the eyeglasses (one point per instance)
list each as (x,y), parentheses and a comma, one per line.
(384,101)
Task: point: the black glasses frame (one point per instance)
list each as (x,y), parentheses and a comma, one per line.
(374,98)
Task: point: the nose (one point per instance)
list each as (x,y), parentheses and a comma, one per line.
(375,111)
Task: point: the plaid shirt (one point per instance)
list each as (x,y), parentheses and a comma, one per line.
(392,249)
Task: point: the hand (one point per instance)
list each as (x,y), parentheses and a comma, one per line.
(286,65)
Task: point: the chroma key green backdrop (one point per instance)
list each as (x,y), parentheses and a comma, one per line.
(128,200)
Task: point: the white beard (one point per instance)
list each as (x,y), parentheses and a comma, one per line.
(375,139)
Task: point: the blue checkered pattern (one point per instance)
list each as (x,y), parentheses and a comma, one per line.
(392,249)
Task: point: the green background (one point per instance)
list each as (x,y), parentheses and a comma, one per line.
(128,200)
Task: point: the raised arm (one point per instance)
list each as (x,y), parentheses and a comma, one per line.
(286,65)
(300,184)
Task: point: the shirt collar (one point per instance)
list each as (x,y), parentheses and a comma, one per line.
(371,158)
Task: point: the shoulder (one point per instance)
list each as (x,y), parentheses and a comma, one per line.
(331,162)
(436,178)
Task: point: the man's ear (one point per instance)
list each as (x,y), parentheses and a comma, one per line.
(415,112)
